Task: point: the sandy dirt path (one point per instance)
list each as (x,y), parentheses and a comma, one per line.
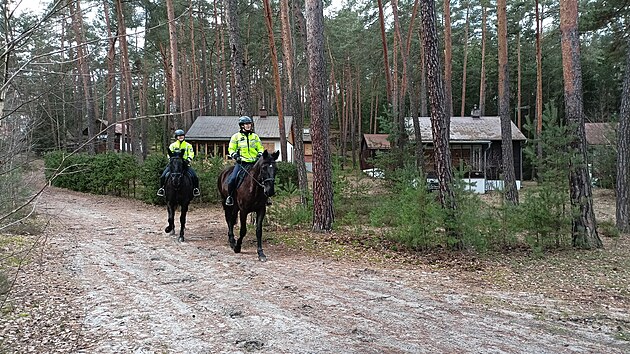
(127,287)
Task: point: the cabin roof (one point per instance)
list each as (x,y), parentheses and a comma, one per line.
(463,129)
(599,133)
(223,127)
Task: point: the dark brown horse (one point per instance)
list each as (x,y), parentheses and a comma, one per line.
(250,196)
(178,192)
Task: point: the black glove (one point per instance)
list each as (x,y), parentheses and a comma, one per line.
(259,155)
(238,158)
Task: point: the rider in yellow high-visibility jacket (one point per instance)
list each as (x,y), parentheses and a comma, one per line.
(180,144)
(245,148)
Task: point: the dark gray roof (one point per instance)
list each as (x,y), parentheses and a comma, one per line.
(468,129)
(223,127)
(600,133)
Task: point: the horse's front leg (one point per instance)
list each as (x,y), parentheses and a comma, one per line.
(260,215)
(171,218)
(230,219)
(242,232)
(182,222)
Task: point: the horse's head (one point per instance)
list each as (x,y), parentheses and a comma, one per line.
(267,172)
(176,166)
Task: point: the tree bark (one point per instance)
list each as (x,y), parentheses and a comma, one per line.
(84,73)
(174,107)
(539,90)
(276,79)
(509,179)
(323,213)
(482,83)
(622,187)
(463,107)
(293,102)
(448,61)
(237,58)
(439,124)
(584,228)
(130,104)
(388,75)
(110,103)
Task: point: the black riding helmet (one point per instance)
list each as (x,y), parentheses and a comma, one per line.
(179,132)
(244,120)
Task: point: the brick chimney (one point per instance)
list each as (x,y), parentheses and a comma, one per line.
(262,113)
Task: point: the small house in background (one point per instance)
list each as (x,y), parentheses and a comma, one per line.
(475,144)
(210,135)
(600,133)
(601,139)
(120,140)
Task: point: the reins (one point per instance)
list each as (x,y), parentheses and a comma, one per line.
(261,184)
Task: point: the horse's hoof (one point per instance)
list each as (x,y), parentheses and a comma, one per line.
(262,258)
(168,229)
(237,249)
(180,239)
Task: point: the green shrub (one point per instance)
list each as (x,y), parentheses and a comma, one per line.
(286,173)
(149,178)
(109,173)
(208,171)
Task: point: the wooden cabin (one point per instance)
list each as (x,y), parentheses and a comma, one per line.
(475,144)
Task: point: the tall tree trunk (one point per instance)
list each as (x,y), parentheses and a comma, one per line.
(194,75)
(130,104)
(388,75)
(237,58)
(84,73)
(622,187)
(440,125)
(276,80)
(482,83)
(509,179)
(463,108)
(293,103)
(584,225)
(518,80)
(424,106)
(539,90)
(110,103)
(448,61)
(174,107)
(323,213)
(406,81)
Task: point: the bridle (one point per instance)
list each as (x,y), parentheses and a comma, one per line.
(262,182)
(175,176)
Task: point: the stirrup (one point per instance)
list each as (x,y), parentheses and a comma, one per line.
(160,192)
(196,192)
(229,201)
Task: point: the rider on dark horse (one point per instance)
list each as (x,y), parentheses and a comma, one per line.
(181,145)
(245,148)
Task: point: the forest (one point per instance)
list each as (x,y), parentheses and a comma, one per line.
(74,71)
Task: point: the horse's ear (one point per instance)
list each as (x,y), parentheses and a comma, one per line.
(275,154)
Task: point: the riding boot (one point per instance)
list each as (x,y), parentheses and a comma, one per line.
(195,181)
(229,201)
